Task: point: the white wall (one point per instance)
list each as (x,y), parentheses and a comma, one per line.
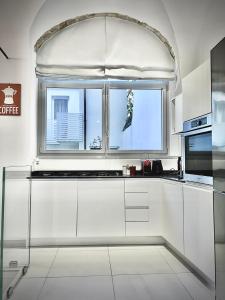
(213,29)
(198,26)
(193,27)
(15,131)
(25,22)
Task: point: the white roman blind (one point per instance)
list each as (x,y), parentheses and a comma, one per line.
(105,46)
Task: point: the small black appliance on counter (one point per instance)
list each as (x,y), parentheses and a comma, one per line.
(157,168)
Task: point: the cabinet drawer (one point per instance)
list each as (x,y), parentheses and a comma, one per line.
(137,215)
(137,229)
(136,199)
(136,186)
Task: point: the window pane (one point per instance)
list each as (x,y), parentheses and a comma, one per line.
(94,119)
(74,119)
(135,119)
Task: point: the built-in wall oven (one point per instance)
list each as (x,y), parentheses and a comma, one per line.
(197,149)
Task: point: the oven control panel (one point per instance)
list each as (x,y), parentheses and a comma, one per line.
(198,123)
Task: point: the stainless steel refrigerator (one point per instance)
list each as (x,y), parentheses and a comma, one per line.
(218,141)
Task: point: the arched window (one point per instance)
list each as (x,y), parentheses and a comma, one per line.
(102,86)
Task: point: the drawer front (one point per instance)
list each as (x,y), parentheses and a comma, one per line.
(137,229)
(136,199)
(136,186)
(137,215)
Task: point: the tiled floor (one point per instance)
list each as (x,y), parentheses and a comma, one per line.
(108,273)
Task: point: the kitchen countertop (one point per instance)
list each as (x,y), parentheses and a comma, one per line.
(92,174)
(171,175)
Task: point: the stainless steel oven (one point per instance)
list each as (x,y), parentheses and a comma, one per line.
(197,149)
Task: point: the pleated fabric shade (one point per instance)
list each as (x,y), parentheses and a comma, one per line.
(105,46)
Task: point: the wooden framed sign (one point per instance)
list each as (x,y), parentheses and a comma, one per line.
(10,99)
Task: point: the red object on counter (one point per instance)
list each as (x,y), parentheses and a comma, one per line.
(132,170)
(146,166)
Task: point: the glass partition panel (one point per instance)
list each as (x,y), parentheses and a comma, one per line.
(16,231)
(1,223)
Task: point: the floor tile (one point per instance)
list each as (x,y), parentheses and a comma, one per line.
(149,287)
(41,261)
(8,278)
(137,262)
(83,273)
(81,249)
(84,262)
(173,262)
(28,289)
(195,287)
(149,249)
(79,288)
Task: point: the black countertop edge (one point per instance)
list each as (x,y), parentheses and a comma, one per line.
(174,179)
(167,174)
(107,177)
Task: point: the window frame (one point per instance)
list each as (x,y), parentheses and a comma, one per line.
(105,86)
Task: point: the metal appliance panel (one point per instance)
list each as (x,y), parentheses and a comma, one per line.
(218,109)
(197,123)
(218,140)
(219,219)
(197,150)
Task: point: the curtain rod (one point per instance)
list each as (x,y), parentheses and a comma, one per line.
(3,52)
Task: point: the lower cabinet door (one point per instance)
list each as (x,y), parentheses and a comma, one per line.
(137,228)
(137,215)
(199,229)
(101,211)
(53,209)
(173,214)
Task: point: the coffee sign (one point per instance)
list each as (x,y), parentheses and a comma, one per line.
(10,99)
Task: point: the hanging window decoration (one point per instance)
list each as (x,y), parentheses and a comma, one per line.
(130,105)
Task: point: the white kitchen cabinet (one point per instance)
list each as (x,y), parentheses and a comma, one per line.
(137,214)
(199,228)
(136,199)
(143,207)
(138,229)
(101,211)
(197,92)
(135,185)
(173,214)
(53,209)
(177,114)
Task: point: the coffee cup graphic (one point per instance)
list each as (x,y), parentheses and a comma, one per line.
(9,93)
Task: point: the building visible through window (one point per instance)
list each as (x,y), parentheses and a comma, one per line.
(73,119)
